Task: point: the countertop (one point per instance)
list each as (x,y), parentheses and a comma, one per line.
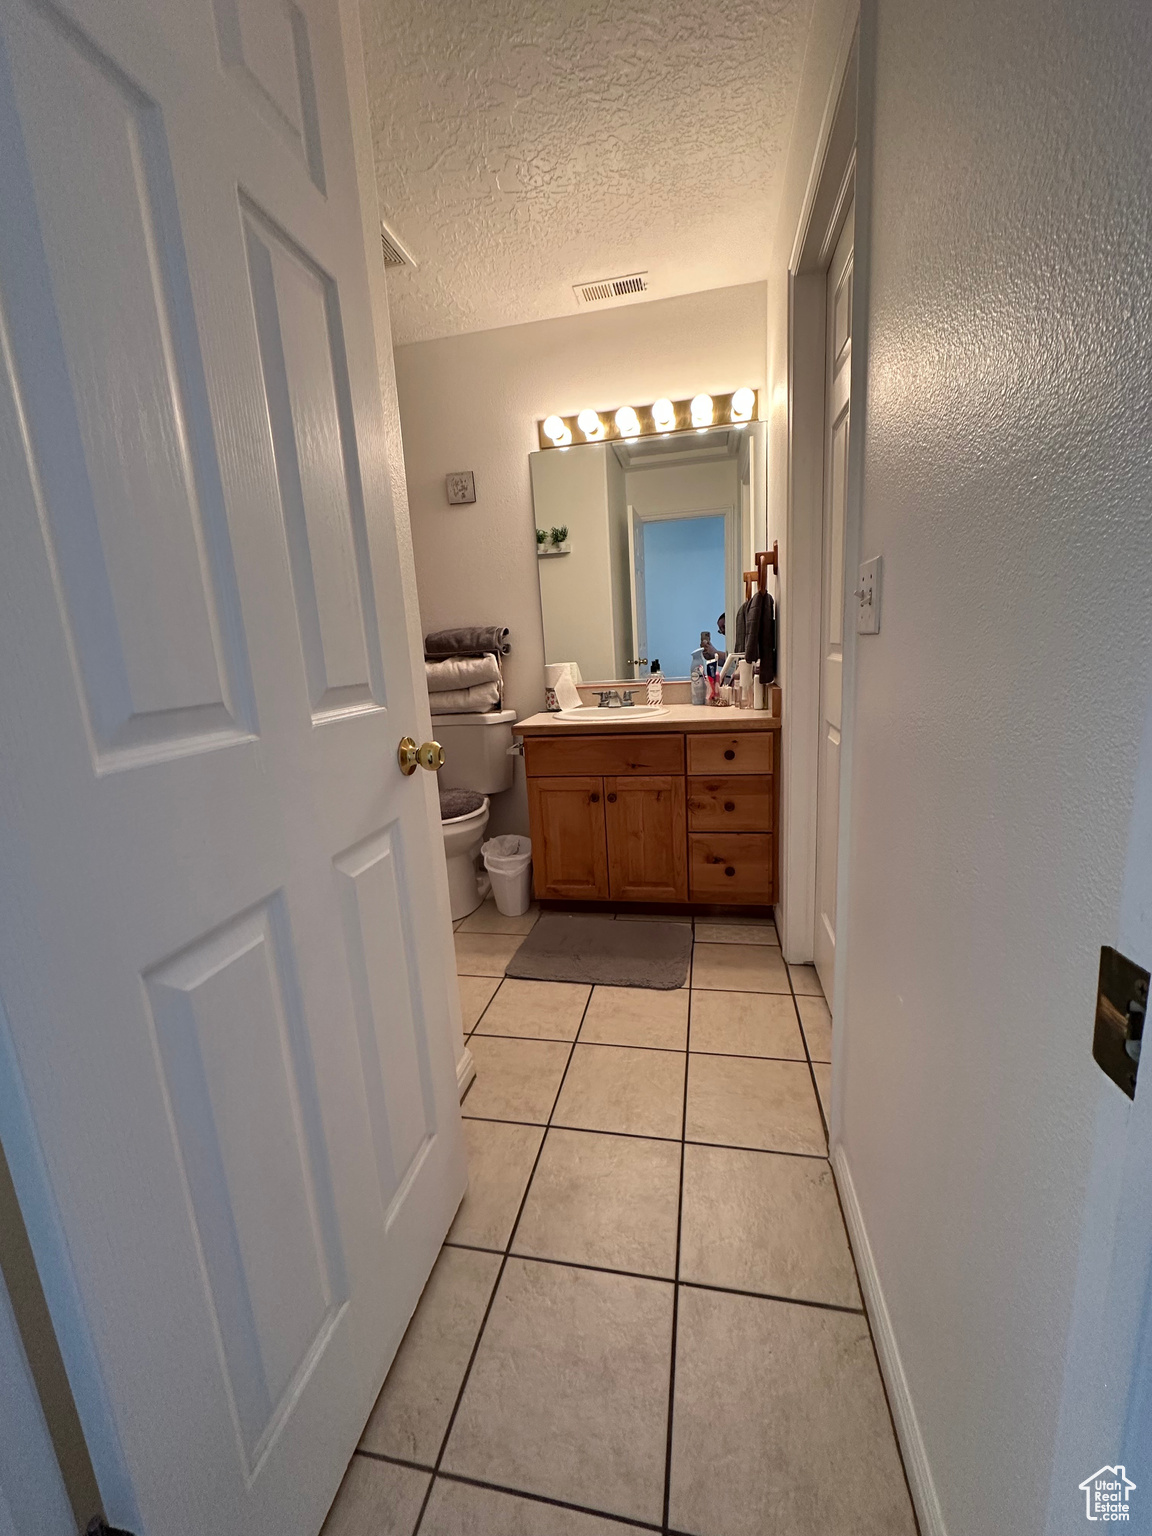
(677,717)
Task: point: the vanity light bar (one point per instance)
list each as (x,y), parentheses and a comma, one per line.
(656,420)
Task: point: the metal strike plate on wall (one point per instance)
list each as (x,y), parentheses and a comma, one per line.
(1121,1003)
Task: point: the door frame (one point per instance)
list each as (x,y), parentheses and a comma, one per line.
(832,186)
(732,553)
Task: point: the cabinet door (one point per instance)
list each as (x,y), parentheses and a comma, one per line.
(569,847)
(647,838)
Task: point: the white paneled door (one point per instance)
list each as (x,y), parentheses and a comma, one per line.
(837,411)
(226,1080)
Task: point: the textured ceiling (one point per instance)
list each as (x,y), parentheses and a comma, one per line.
(526,145)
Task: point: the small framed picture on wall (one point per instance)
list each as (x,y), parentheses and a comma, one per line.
(461,486)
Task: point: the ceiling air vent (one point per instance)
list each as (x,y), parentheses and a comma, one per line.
(396,254)
(605,288)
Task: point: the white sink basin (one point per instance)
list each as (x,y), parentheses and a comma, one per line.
(614,716)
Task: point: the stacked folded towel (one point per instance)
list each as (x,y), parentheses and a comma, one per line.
(456,672)
(463,669)
(471,641)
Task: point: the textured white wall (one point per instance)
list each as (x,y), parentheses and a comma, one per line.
(998,714)
(472,402)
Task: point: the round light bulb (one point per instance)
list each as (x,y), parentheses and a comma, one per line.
(743,402)
(664,415)
(702,411)
(591,425)
(627,421)
(556,429)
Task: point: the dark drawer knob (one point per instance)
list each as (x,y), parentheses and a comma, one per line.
(729,805)
(729,870)
(730,753)
(593,799)
(611,799)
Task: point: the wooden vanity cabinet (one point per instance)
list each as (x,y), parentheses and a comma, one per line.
(654,818)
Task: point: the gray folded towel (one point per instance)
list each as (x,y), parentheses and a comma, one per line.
(461,672)
(465,701)
(473,640)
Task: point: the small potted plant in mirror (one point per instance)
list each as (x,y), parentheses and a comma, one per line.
(552,542)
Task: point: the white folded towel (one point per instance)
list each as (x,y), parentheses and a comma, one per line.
(465,701)
(461,672)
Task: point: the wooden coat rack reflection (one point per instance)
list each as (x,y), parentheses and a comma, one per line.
(759,577)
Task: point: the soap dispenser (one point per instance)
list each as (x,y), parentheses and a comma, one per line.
(656,686)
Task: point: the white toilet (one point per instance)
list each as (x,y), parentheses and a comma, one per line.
(476,765)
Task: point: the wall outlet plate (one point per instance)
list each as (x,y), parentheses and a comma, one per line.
(461,487)
(868,597)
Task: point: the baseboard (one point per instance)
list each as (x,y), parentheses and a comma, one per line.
(920,1481)
(465,1072)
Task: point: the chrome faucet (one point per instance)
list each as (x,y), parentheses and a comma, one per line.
(610,698)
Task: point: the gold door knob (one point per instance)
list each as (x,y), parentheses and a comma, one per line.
(430,755)
(407,755)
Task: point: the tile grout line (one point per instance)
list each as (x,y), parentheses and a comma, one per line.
(679,1234)
(808,1058)
(876,1354)
(855,1267)
(487,1005)
(591,1130)
(496,1287)
(517,1493)
(636,1274)
(667,1050)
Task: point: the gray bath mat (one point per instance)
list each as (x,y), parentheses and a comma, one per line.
(598,950)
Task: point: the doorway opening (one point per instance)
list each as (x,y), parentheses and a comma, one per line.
(678,583)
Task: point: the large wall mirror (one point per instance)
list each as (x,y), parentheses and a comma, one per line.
(659,531)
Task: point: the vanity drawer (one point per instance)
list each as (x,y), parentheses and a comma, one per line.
(736,804)
(608,755)
(732,867)
(740,752)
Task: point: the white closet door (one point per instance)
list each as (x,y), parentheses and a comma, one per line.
(837,411)
(226,1081)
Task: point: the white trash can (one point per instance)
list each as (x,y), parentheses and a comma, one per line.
(508,861)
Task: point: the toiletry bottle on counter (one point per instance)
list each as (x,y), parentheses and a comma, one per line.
(656,686)
(746,674)
(697,676)
(728,683)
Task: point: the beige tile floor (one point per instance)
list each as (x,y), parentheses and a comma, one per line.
(646,1316)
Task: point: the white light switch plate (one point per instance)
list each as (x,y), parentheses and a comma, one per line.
(868,598)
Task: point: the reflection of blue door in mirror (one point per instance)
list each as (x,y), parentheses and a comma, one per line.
(679,574)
